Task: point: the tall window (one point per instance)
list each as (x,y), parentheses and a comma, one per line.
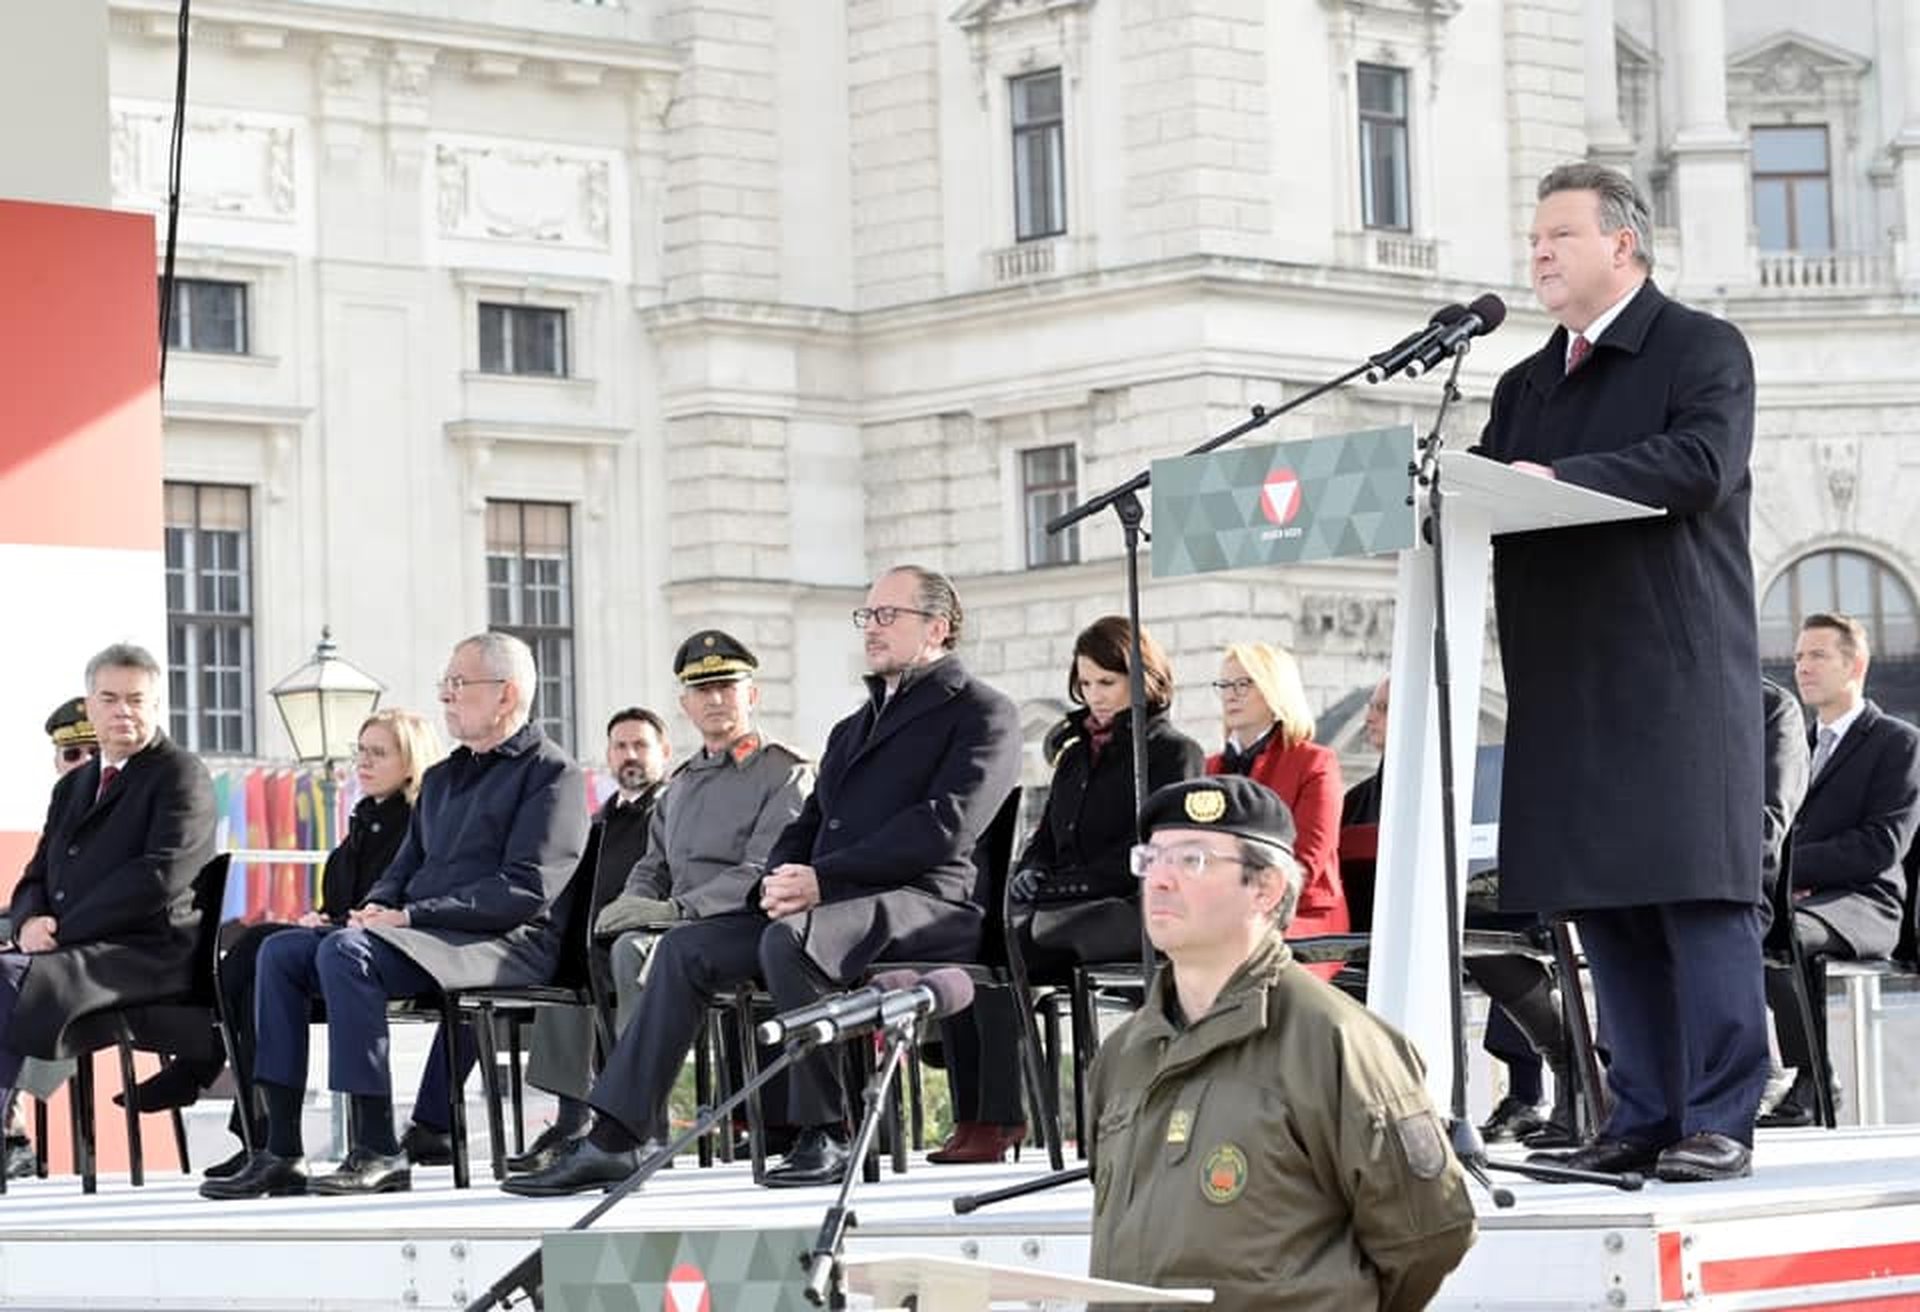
(1039,156)
(210,618)
(208,316)
(1047,487)
(530,595)
(523,339)
(1856,584)
(1384,168)
(1792,194)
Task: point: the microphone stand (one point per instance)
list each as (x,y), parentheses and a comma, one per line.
(967,1203)
(1125,501)
(825,1286)
(525,1277)
(1465,1136)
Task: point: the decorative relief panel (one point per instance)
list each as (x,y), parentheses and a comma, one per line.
(520,193)
(233,166)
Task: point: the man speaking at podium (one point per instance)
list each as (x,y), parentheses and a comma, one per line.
(1633,681)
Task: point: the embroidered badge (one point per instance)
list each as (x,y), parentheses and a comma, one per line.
(1223,1176)
(1205,806)
(1423,1143)
(1179,1125)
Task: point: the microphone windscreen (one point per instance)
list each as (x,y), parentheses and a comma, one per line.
(952,989)
(1492,311)
(892,981)
(1449,313)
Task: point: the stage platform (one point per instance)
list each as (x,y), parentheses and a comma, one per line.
(1830,1220)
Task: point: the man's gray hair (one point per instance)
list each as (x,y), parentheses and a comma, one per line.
(124,656)
(1621,204)
(1256,856)
(507,657)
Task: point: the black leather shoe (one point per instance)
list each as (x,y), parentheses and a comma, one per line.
(1705,1156)
(1553,1136)
(365,1172)
(1614,1156)
(1513,1118)
(426,1146)
(1789,1113)
(229,1168)
(818,1156)
(177,1084)
(21,1162)
(545,1150)
(580,1166)
(264,1176)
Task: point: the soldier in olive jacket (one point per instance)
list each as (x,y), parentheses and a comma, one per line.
(1256,1132)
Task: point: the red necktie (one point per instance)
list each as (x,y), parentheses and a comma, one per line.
(107,775)
(1578,351)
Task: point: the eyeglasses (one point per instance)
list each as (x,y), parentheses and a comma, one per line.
(1190,859)
(455,683)
(367,752)
(1232,687)
(70,755)
(885,615)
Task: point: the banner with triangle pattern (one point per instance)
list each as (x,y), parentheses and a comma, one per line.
(675,1270)
(1283,503)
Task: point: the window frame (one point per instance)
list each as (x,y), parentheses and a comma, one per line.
(1791,181)
(511,365)
(1051,133)
(180,323)
(1366,122)
(222,729)
(559,678)
(1041,501)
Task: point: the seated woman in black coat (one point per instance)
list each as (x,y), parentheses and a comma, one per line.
(394,750)
(1073,897)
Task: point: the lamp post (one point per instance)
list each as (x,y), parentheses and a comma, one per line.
(322,704)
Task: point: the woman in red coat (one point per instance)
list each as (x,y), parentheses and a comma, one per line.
(1270,740)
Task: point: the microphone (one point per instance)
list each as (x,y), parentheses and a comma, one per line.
(892,997)
(1485,314)
(1392,360)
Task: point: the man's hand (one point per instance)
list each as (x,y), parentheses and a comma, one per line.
(37,934)
(1025,885)
(375,916)
(629,911)
(312,920)
(789,890)
(1529,467)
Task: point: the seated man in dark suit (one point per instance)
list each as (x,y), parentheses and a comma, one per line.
(1861,808)
(468,902)
(104,915)
(879,864)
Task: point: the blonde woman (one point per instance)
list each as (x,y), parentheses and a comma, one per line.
(394,749)
(1269,730)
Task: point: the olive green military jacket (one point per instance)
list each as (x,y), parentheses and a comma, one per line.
(1282,1151)
(715,822)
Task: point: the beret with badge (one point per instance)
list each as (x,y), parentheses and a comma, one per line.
(713,656)
(68,726)
(1230,803)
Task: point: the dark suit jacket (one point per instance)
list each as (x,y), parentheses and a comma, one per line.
(494,840)
(904,791)
(1854,827)
(117,875)
(374,833)
(1786,782)
(1630,649)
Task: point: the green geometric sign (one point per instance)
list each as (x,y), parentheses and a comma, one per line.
(1283,503)
(675,1271)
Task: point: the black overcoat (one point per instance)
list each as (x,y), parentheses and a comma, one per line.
(1854,827)
(117,877)
(494,839)
(375,831)
(1082,840)
(904,791)
(1633,770)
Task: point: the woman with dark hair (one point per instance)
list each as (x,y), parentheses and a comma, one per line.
(1073,897)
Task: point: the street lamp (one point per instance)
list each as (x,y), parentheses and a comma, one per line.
(323,704)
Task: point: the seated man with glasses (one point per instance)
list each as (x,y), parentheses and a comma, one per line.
(468,902)
(1303,1164)
(878,866)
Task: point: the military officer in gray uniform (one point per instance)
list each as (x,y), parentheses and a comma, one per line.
(1256,1131)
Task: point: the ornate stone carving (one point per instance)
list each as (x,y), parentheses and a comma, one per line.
(1345,619)
(518,193)
(1789,75)
(1839,459)
(234,166)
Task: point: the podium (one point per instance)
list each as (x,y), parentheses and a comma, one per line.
(951,1284)
(1408,980)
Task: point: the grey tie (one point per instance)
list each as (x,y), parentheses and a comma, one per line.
(1823,750)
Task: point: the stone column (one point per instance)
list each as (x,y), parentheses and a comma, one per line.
(1711,202)
(1906,148)
(1608,141)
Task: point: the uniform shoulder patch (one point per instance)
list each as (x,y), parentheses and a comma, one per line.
(1223,1174)
(1423,1143)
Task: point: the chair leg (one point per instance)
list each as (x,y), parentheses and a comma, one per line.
(136,1155)
(1809,983)
(722,1034)
(242,1090)
(1594,1101)
(80,1096)
(39,1138)
(456,1100)
(489,1061)
(750,1067)
(1085,1025)
(703,1086)
(516,1084)
(917,1108)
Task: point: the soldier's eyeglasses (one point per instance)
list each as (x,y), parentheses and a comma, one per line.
(1189,859)
(885,615)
